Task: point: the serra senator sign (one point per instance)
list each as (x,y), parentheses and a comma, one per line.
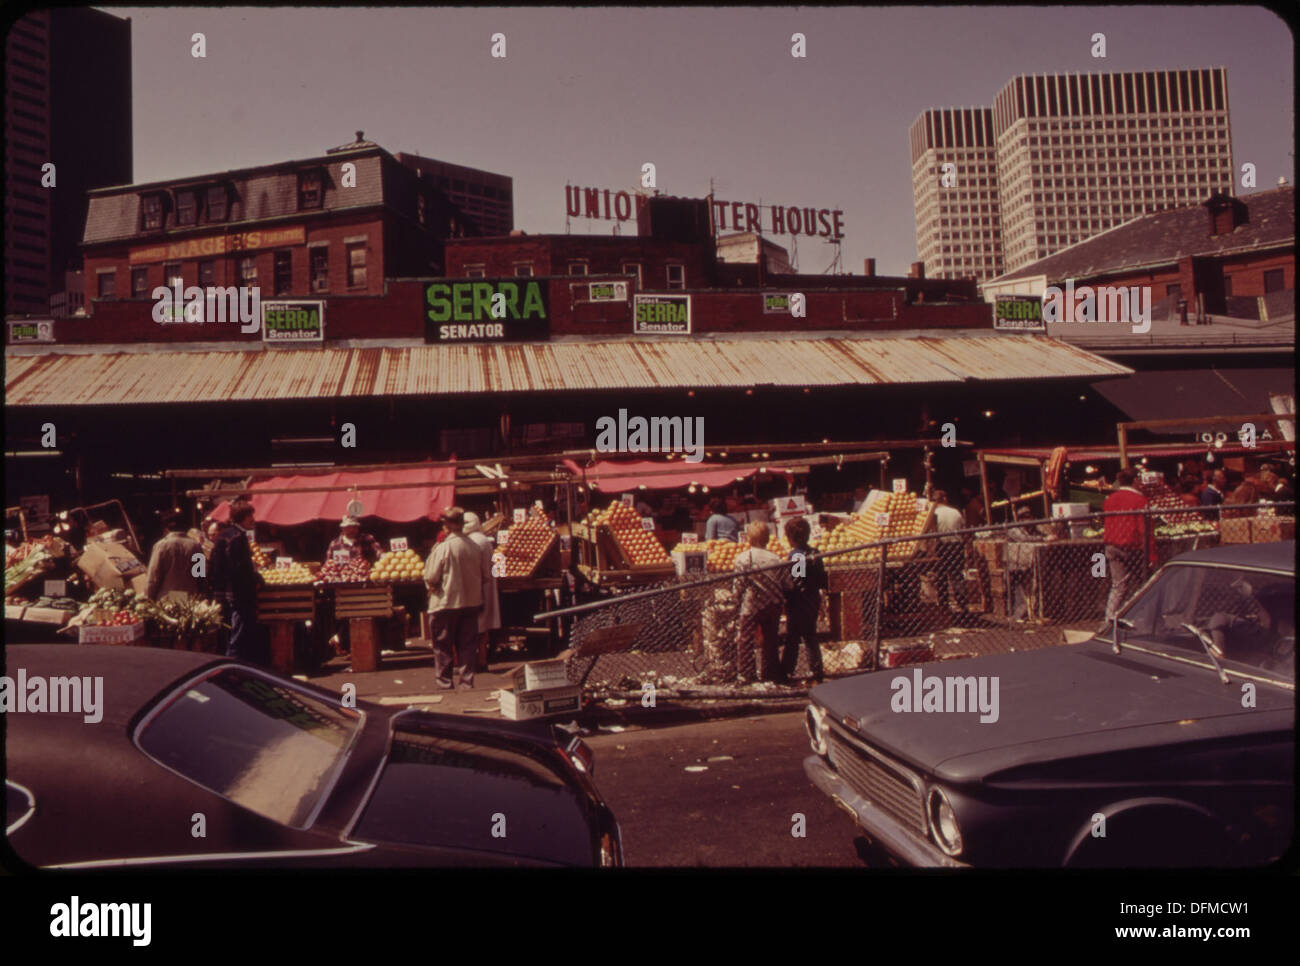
(486,310)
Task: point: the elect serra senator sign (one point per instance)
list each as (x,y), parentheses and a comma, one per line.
(486,310)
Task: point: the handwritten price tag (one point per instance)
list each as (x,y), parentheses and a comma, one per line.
(920,504)
(648,523)
(882,519)
(503,536)
(397,544)
(520,514)
(342,556)
(690,538)
(284,563)
(900,484)
(627,499)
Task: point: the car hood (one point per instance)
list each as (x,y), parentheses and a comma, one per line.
(1065,700)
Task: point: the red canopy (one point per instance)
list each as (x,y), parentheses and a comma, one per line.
(621,477)
(398,505)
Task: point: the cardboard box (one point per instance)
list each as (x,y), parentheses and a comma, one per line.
(110,565)
(538,675)
(690,562)
(896,655)
(117,634)
(518,705)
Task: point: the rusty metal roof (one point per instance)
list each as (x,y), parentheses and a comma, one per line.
(177,376)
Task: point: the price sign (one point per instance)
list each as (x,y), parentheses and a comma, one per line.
(648,523)
(816,529)
(520,514)
(56,588)
(397,545)
(882,519)
(284,563)
(342,556)
(690,538)
(920,504)
(900,484)
(503,536)
(627,499)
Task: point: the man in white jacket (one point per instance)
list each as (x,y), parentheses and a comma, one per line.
(454,575)
(489,618)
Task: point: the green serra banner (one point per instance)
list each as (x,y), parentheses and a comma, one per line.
(486,310)
(1019,313)
(295,321)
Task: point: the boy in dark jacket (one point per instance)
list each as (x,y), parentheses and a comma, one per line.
(802,601)
(235,582)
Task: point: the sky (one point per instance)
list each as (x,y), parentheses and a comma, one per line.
(586,96)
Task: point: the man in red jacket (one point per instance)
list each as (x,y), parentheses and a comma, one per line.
(1128,541)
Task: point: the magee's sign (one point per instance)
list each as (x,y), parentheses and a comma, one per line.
(486,310)
(218,245)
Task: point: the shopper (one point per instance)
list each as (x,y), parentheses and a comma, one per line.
(720,525)
(761,598)
(1128,540)
(454,575)
(235,582)
(951,550)
(172,564)
(1212,495)
(489,619)
(803,602)
(1020,566)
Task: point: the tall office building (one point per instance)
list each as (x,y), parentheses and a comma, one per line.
(67,103)
(957,222)
(1077,154)
(487,198)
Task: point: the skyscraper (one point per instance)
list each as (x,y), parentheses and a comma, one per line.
(67,103)
(957,222)
(1076,154)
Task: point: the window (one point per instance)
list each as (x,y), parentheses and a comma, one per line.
(356,265)
(248,270)
(283,272)
(217,206)
(420,209)
(577,268)
(187,208)
(524,270)
(677,276)
(107,284)
(207,273)
(1273,280)
(320,269)
(475,271)
(172,274)
(151,207)
(311,188)
(139,282)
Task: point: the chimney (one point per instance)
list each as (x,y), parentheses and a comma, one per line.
(869,267)
(1226,214)
(917,270)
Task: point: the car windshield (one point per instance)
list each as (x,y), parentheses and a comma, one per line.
(1249,616)
(259,742)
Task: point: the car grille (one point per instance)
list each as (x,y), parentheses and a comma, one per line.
(886,786)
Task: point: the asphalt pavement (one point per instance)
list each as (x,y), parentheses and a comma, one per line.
(724,793)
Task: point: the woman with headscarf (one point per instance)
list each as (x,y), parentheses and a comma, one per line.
(489,618)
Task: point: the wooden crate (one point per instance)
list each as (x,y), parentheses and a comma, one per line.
(286,604)
(363,601)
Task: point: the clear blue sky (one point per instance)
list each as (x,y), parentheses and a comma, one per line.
(585,96)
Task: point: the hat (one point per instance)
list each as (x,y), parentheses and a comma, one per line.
(471,522)
(349,522)
(453,514)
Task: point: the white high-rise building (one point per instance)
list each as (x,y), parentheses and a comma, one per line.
(1074,155)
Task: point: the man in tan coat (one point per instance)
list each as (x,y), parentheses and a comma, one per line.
(454,575)
(172,563)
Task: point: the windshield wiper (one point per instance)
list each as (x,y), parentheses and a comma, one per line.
(1210,648)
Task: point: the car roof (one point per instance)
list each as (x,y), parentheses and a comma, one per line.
(1279,555)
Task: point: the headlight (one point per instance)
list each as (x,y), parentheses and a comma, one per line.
(943,822)
(814,720)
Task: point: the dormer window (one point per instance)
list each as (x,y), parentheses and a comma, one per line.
(187,207)
(217,203)
(311,188)
(151,207)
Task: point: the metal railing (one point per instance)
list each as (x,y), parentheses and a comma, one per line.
(937,596)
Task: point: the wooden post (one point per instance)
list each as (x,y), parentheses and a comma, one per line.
(984,488)
(282,646)
(365,644)
(1123,446)
(880,609)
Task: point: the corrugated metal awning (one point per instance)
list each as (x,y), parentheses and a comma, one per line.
(176,376)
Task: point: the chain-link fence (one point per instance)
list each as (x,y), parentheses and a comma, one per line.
(904,599)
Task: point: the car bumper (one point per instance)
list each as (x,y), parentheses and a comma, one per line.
(886,832)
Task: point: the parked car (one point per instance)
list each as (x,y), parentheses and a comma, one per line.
(1171,746)
(201,761)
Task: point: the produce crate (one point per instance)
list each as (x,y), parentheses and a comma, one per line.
(293,603)
(1257,529)
(352,601)
(118,634)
